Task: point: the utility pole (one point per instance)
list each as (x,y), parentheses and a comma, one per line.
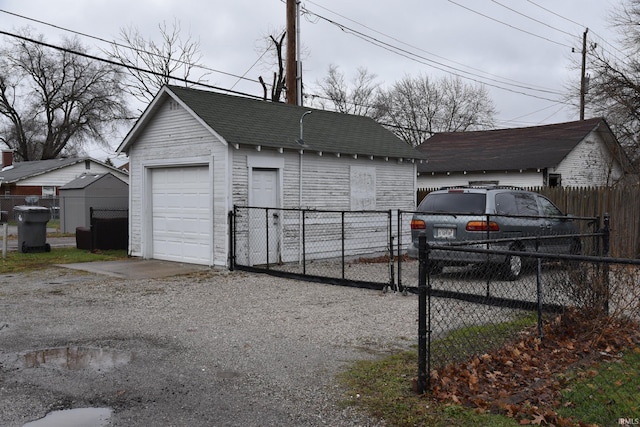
(583,85)
(298,57)
(290,75)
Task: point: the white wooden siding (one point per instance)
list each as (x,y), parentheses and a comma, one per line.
(325,181)
(326,186)
(175,137)
(396,185)
(589,164)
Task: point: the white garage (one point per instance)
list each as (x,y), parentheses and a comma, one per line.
(195,155)
(181,214)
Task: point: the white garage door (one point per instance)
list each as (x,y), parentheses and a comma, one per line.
(181,214)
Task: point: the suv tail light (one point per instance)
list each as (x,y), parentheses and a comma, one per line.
(418,224)
(482,226)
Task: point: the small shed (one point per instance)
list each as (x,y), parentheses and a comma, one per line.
(98,191)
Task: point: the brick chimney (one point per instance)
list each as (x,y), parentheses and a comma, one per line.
(7,158)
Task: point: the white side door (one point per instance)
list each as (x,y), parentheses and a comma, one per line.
(264,225)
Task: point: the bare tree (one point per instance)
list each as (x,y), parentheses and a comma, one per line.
(271,48)
(54,101)
(614,85)
(275,43)
(358,97)
(416,108)
(152,65)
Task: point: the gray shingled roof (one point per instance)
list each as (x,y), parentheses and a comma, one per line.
(252,122)
(22,170)
(525,148)
(83,181)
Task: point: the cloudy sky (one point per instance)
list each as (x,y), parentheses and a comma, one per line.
(520,50)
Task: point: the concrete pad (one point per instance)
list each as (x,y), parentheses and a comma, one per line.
(137,268)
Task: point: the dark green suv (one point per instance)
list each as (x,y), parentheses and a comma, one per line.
(516,219)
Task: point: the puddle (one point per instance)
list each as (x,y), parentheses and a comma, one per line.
(81,417)
(77,358)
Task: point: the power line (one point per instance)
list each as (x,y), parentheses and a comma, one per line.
(533,19)
(438,65)
(509,25)
(604,41)
(240,78)
(505,79)
(375,42)
(516,120)
(394,49)
(114,43)
(129,67)
(379,43)
(554,13)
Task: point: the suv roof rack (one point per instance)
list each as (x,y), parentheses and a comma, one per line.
(484,186)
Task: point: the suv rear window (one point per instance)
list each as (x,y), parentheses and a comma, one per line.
(516,204)
(473,203)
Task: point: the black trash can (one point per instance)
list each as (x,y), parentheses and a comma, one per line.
(32,228)
(83,238)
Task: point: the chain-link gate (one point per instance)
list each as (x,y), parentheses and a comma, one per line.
(343,247)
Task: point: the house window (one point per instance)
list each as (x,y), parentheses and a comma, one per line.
(555,180)
(48,191)
(87,164)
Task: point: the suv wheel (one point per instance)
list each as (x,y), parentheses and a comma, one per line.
(576,249)
(512,267)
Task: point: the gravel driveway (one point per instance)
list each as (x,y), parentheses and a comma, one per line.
(215,348)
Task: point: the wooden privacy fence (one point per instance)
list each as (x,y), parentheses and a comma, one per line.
(621,203)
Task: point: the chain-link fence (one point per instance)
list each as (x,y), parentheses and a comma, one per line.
(8,203)
(109,229)
(566,330)
(516,313)
(497,270)
(379,247)
(342,247)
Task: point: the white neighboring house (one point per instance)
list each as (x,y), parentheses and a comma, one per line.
(195,154)
(43,178)
(574,154)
